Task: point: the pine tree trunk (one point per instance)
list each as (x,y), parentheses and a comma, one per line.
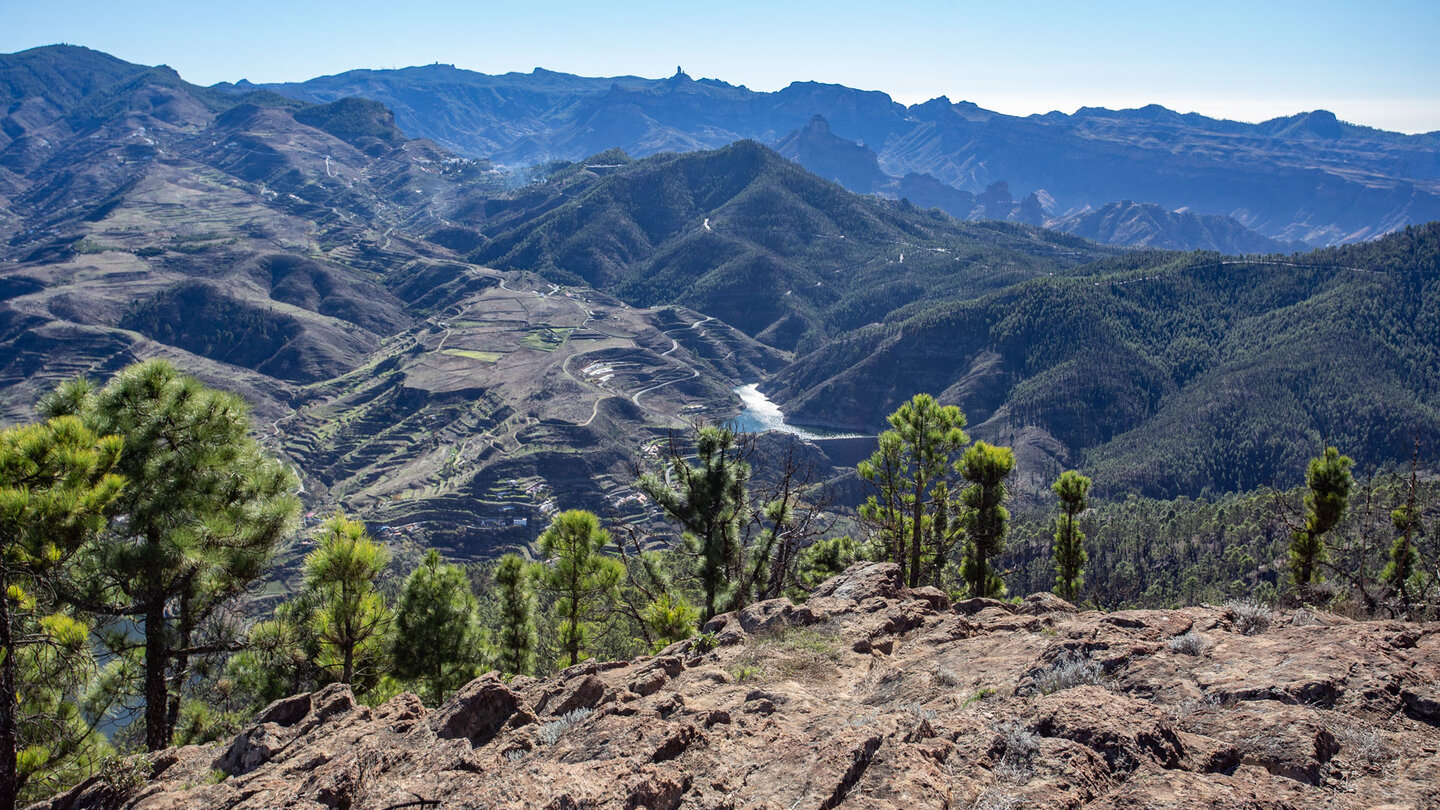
(916,538)
(156,690)
(574,640)
(182,664)
(9,734)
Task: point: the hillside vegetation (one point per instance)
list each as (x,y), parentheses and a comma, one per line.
(1169,374)
(746,236)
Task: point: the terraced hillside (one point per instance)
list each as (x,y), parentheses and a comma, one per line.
(280,250)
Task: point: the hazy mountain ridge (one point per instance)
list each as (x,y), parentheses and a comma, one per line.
(1306,177)
(1130,224)
(1148,225)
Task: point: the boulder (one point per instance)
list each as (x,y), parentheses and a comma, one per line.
(479,711)
(863,581)
(1038,604)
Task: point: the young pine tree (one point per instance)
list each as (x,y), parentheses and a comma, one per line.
(926,436)
(884,510)
(579,575)
(280,658)
(1071,488)
(825,559)
(350,616)
(986,519)
(709,501)
(55,487)
(517,616)
(437,630)
(1329,482)
(1404,558)
(669,618)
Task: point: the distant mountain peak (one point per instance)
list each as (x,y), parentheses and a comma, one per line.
(1143,224)
(1314,124)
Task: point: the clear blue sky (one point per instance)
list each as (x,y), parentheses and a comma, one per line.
(1375,63)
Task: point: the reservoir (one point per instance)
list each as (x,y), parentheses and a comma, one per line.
(759,414)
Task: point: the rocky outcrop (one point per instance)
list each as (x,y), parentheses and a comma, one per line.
(870,695)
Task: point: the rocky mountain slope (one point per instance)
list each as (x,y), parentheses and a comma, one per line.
(869,695)
(1149,225)
(1308,177)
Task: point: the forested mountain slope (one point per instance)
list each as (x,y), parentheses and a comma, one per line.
(1169,373)
(748,237)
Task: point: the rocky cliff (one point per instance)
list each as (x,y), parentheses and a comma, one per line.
(870,695)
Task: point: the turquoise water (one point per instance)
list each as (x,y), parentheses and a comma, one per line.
(759,414)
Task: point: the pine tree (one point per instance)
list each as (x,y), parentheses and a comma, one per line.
(825,559)
(915,455)
(203,508)
(1403,556)
(709,501)
(437,630)
(280,657)
(986,519)
(350,614)
(1329,481)
(55,487)
(670,618)
(579,575)
(884,509)
(1070,557)
(517,616)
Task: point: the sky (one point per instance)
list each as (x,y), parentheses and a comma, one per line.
(1373,63)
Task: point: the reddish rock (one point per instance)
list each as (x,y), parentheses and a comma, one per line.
(863,581)
(1037,604)
(887,700)
(479,711)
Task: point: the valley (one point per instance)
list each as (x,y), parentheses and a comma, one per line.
(456,359)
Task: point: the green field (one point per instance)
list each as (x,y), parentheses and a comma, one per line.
(546,339)
(484,357)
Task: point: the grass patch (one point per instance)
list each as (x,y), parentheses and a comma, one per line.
(89,246)
(484,357)
(796,652)
(743,674)
(546,339)
(980,694)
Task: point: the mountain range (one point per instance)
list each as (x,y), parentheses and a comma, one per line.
(454,358)
(1304,178)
